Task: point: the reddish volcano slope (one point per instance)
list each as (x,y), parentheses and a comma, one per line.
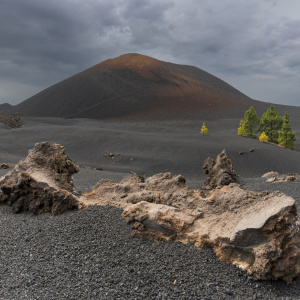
(138,87)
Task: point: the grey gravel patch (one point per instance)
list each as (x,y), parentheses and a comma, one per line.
(89,254)
(258,184)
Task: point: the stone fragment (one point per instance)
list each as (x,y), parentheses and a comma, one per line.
(271,179)
(42,182)
(279,178)
(219,172)
(270,174)
(108,154)
(290,178)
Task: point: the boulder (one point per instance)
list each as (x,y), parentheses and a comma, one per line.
(219,172)
(42,182)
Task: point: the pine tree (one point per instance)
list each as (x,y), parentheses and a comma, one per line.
(263,138)
(241,129)
(270,123)
(204,129)
(286,136)
(251,122)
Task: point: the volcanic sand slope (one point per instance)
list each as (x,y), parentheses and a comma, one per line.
(151,148)
(139,87)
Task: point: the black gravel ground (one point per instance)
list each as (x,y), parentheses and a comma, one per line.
(90,254)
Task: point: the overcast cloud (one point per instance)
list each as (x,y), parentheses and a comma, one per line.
(252,45)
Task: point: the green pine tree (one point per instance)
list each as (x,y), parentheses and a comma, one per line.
(286,137)
(251,122)
(270,123)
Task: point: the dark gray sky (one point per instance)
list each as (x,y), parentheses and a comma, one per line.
(252,45)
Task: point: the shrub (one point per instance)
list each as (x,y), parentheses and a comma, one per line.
(204,129)
(263,137)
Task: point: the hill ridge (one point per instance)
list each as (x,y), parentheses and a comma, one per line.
(138,87)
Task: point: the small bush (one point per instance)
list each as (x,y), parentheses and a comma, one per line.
(263,137)
(204,129)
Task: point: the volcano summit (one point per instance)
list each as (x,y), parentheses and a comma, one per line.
(138,87)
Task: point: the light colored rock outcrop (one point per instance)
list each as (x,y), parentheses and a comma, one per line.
(270,174)
(162,188)
(42,182)
(275,177)
(258,232)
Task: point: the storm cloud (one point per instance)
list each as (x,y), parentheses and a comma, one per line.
(252,45)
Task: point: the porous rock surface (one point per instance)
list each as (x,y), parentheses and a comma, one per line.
(219,172)
(258,232)
(160,188)
(42,182)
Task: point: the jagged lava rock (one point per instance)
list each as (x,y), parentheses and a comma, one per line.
(42,182)
(219,172)
(160,188)
(259,234)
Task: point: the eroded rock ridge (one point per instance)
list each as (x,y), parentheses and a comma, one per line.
(258,232)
